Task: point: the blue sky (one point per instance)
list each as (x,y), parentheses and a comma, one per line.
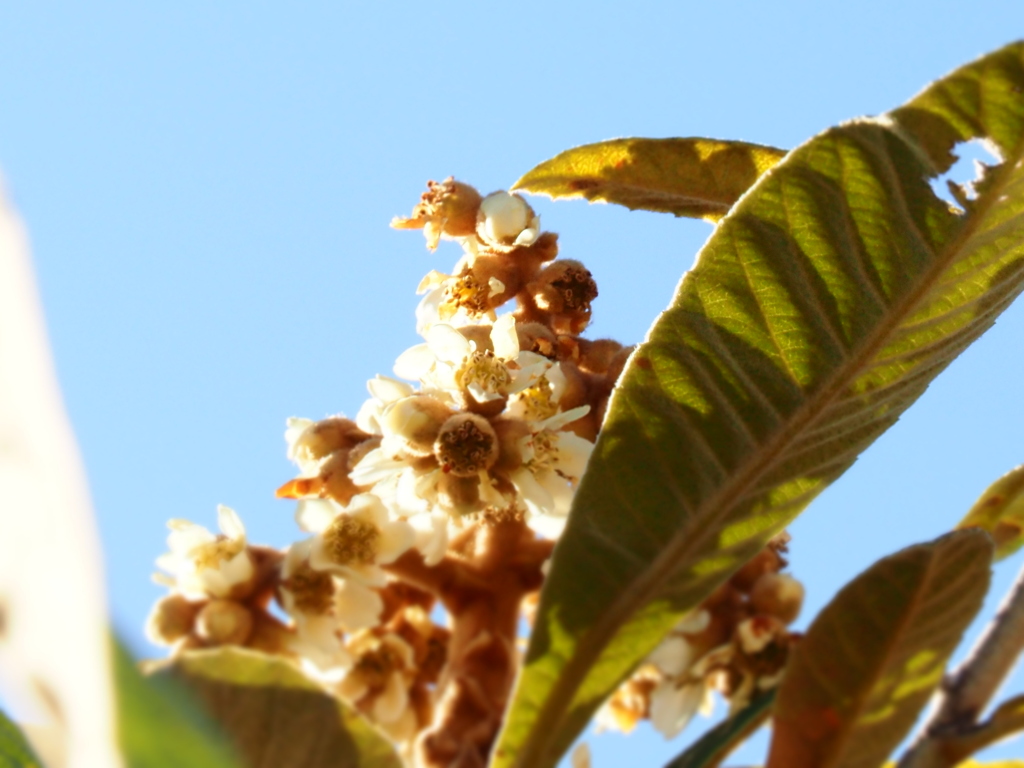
(208,190)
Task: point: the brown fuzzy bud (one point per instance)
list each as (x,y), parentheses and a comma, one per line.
(778,595)
(447,208)
(327,436)
(337,484)
(596,356)
(417,419)
(510,434)
(466,445)
(171,619)
(565,289)
(224,622)
(479,335)
(459,495)
(765,561)
(538,338)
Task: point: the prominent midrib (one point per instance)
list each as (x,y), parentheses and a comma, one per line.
(690,540)
(914,608)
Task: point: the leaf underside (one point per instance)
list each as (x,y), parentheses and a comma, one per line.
(276,716)
(820,309)
(700,178)
(856,682)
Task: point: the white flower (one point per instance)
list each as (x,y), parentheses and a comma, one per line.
(383,391)
(295,428)
(553,462)
(203,564)
(674,656)
(505,219)
(353,541)
(451,362)
(383,669)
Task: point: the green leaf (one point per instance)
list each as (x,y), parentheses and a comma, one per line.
(701,178)
(160,725)
(818,311)
(1000,511)
(714,746)
(276,715)
(856,682)
(14,749)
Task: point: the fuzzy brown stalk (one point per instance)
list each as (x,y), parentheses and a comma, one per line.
(482,588)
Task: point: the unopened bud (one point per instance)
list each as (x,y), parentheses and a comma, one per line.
(536,337)
(224,622)
(171,619)
(459,496)
(446,208)
(596,356)
(505,219)
(417,420)
(778,595)
(325,437)
(466,445)
(765,561)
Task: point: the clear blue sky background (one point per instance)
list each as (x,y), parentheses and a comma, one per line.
(208,189)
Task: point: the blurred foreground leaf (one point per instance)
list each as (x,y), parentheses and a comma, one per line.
(276,716)
(14,749)
(856,682)
(160,726)
(1000,511)
(714,746)
(700,178)
(820,309)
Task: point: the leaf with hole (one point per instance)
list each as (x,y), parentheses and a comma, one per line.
(819,310)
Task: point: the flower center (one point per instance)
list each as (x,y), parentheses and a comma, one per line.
(484,370)
(312,590)
(351,541)
(577,287)
(537,401)
(374,667)
(466,445)
(468,293)
(545,452)
(216,552)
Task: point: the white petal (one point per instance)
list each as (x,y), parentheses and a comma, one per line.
(430,281)
(573,454)
(395,539)
(673,657)
(315,515)
(504,338)
(536,498)
(672,708)
(558,382)
(374,467)
(427,310)
(415,362)
(431,537)
(559,420)
(387,390)
(357,606)
(448,344)
(230,523)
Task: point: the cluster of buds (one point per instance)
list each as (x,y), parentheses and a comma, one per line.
(736,644)
(439,502)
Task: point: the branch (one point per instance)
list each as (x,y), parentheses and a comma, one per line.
(968,690)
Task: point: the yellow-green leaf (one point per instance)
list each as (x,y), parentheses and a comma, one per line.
(1000,511)
(276,716)
(14,749)
(701,178)
(819,310)
(869,662)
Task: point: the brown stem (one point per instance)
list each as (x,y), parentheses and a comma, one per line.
(502,564)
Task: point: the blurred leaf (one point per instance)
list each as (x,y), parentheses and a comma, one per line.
(160,725)
(818,311)
(14,749)
(701,178)
(856,682)
(1000,511)
(277,716)
(717,744)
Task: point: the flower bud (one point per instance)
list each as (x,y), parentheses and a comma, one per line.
(417,420)
(334,475)
(596,356)
(511,434)
(505,219)
(447,208)
(459,496)
(224,622)
(565,289)
(778,595)
(171,619)
(536,337)
(325,437)
(466,445)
